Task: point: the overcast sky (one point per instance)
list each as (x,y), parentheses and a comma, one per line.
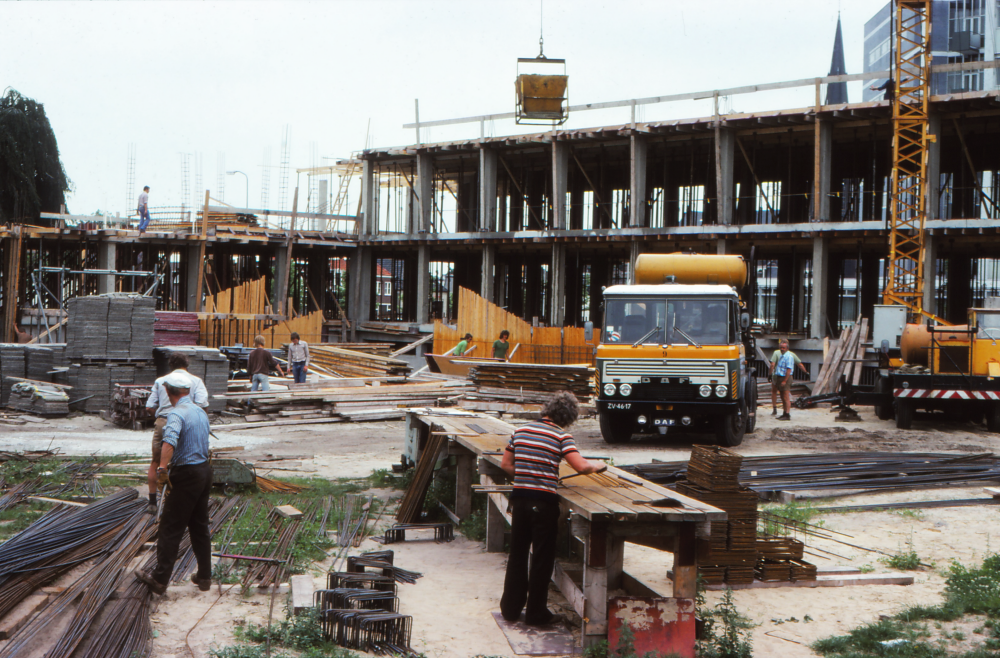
(222,80)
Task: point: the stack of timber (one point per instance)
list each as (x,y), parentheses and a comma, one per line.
(40,399)
(381,349)
(11,365)
(175,328)
(336,400)
(206,363)
(730,554)
(579,379)
(780,558)
(846,359)
(128,407)
(352,363)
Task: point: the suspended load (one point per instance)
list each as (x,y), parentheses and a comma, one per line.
(541,91)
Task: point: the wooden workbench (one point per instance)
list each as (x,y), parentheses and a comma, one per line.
(602,517)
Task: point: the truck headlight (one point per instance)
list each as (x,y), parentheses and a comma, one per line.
(720,391)
(625,389)
(704,390)
(609,389)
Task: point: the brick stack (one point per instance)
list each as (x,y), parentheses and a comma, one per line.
(730,554)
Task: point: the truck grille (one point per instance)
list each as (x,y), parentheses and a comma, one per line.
(657,368)
(666,392)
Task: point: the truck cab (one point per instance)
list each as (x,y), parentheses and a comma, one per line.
(673,356)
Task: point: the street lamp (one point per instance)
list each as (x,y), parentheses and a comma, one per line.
(235,171)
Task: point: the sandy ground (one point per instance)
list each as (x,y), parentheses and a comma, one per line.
(451,604)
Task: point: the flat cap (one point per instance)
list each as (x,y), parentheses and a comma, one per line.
(178,379)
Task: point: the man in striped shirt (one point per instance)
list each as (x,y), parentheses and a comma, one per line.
(532,459)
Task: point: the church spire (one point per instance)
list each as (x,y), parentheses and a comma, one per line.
(836,92)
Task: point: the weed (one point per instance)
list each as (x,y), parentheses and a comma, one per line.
(300,632)
(866,568)
(907,560)
(915,514)
(474,526)
(727,630)
(792,513)
(624,649)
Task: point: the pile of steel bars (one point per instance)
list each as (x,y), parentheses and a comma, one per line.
(219,511)
(852,471)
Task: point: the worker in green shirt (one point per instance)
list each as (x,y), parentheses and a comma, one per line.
(500,345)
(462,346)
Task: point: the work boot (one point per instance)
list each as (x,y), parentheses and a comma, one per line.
(154,587)
(204,584)
(784,417)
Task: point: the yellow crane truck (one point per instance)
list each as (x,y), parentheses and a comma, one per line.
(673,350)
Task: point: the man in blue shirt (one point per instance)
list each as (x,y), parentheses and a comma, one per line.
(781,377)
(184,467)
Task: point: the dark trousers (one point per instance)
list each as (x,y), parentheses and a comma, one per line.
(186,506)
(299,372)
(534,527)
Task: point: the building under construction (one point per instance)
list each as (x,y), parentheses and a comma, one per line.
(540,223)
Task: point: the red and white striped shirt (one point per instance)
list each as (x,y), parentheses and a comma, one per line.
(538,448)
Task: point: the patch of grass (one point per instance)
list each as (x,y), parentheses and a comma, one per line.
(15,519)
(907,560)
(969,591)
(300,632)
(791,513)
(915,514)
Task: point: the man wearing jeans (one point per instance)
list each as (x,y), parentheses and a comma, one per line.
(298,357)
(259,365)
(143,209)
(185,469)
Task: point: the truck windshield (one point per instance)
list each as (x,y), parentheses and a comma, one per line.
(682,321)
(628,320)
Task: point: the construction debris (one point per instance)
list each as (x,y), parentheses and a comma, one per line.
(46,400)
(128,407)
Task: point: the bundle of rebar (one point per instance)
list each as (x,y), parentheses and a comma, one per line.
(356,598)
(218,514)
(413,501)
(19,493)
(397,533)
(361,563)
(850,471)
(352,517)
(368,630)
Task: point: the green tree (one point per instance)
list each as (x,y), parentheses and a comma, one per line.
(32,179)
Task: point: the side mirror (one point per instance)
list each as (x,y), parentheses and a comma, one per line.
(588,331)
(744,320)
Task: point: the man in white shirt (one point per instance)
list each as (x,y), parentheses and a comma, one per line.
(143,209)
(298,358)
(159,400)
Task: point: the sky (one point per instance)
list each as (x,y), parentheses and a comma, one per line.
(218,84)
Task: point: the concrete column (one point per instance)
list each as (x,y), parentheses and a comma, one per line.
(359,299)
(930,268)
(820,269)
(107,253)
(280,290)
(823,171)
(560,184)
(933,200)
(368,184)
(487,189)
(486,280)
(637,178)
(557,276)
(192,302)
(425,192)
(720,246)
(423,304)
(633,255)
(725,184)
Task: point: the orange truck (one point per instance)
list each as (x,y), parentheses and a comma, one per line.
(674,349)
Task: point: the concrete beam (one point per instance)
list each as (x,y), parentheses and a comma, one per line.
(933,200)
(560,184)
(107,253)
(192,297)
(822,171)
(488,277)
(423,304)
(487,189)
(637,180)
(557,278)
(726,185)
(820,268)
(359,298)
(425,192)
(368,184)
(930,268)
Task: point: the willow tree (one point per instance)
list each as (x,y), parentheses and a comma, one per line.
(32,179)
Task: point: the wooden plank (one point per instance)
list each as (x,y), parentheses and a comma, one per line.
(832,580)
(860,353)
(412,346)
(302,593)
(44,499)
(288,512)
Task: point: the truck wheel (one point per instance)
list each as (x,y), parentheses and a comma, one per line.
(993,418)
(616,428)
(884,411)
(730,428)
(904,413)
(751,398)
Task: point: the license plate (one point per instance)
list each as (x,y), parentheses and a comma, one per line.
(619,405)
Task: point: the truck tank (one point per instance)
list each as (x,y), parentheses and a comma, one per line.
(690,269)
